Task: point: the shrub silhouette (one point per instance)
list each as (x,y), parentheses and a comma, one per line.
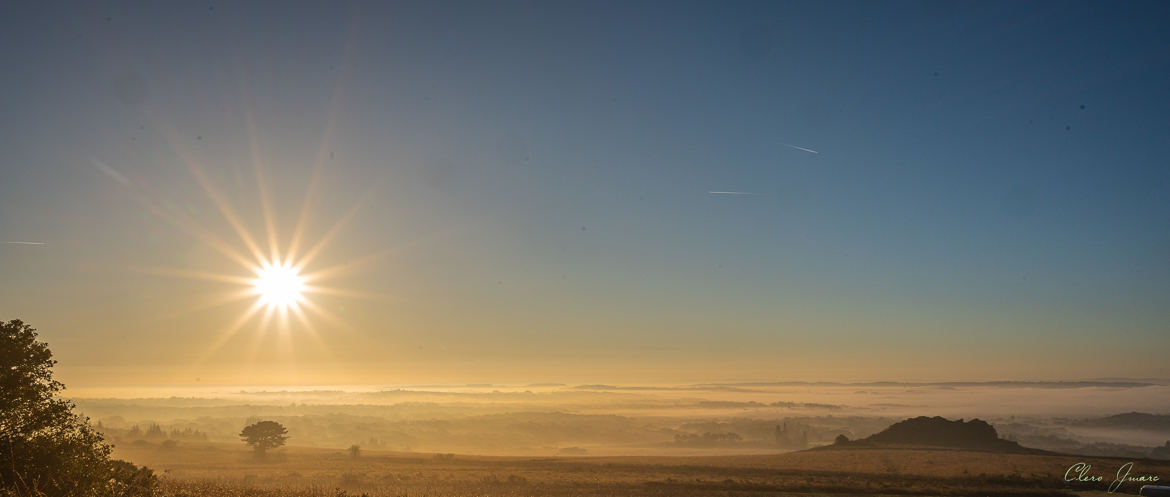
(264,435)
(45,448)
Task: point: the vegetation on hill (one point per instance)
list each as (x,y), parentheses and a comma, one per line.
(975,434)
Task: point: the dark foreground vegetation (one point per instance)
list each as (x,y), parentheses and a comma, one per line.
(45,448)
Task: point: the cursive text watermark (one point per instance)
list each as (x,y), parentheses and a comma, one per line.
(1079,472)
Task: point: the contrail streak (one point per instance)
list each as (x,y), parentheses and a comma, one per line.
(809,150)
(111,172)
(733,193)
(24,243)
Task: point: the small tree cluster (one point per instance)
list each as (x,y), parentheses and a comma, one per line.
(264,435)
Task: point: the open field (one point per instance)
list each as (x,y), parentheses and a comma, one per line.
(226,469)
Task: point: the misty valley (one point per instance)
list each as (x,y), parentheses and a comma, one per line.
(645,420)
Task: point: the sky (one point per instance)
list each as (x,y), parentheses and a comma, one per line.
(588,191)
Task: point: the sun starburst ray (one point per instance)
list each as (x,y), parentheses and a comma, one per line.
(333,231)
(327,316)
(258,160)
(212,193)
(197,275)
(225,209)
(266,210)
(343,292)
(298,234)
(324,149)
(307,325)
(214,301)
(277,276)
(262,332)
(209,239)
(230,331)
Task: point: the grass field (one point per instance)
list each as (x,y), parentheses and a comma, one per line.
(231,470)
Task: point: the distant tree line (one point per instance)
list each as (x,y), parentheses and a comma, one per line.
(707,439)
(152,431)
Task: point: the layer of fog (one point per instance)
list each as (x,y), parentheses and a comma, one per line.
(553,419)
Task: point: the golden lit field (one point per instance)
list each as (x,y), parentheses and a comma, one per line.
(229,470)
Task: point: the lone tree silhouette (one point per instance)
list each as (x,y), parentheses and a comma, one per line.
(264,435)
(45,448)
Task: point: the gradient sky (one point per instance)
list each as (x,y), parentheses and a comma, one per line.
(989,200)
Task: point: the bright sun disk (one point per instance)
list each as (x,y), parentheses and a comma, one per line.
(279,285)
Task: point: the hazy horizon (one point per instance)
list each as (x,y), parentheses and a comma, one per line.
(146,390)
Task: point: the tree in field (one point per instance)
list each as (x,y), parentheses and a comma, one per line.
(264,435)
(45,448)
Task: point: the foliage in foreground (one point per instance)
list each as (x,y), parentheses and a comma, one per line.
(45,448)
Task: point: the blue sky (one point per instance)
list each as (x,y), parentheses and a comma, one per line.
(990,177)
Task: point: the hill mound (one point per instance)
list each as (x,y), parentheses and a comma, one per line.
(923,431)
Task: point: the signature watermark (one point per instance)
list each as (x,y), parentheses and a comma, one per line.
(1079,472)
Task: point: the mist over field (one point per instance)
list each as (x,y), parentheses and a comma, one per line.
(594,419)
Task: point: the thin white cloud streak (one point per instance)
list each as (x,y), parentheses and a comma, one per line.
(24,243)
(733,193)
(111,172)
(809,150)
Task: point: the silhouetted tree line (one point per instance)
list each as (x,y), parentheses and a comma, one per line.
(154,431)
(694,439)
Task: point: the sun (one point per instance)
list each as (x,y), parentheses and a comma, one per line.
(284,276)
(279,285)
